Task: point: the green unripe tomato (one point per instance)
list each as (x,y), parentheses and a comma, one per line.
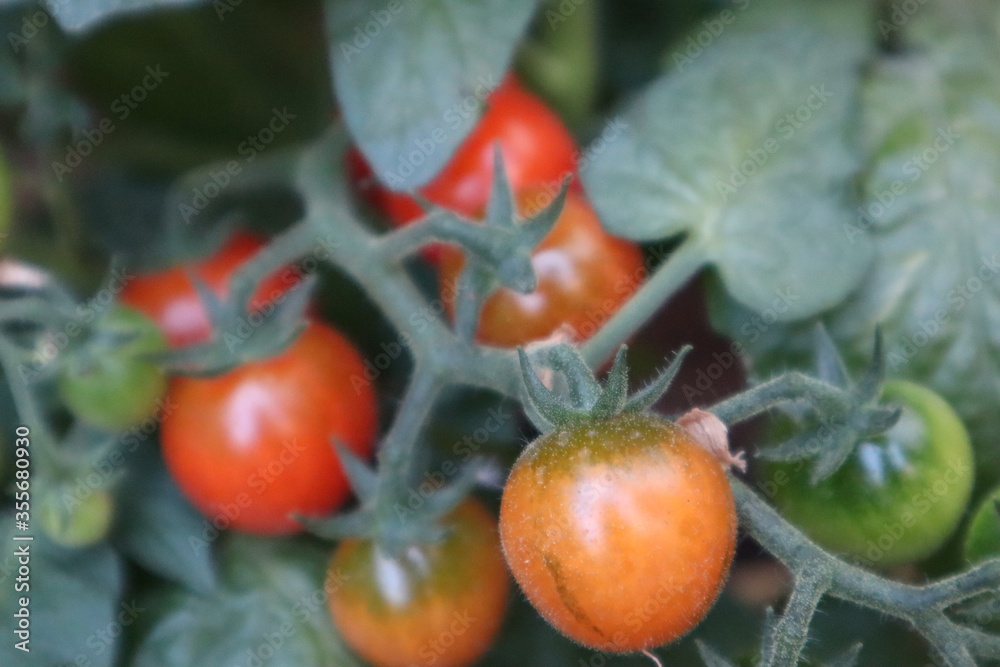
(982,541)
(76,522)
(111,382)
(898,497)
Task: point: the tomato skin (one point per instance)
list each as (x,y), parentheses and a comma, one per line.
(537,150)
(253,445)
(117,388)
(982,541)
(80,523)
(398,612)
(898,497)
(620,532)
(169,298)
(584,276)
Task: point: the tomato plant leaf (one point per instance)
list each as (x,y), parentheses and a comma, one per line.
(411,77)
(73,603)
(270,603)
(934,214)
(157,525)
(761,183)
(82,15)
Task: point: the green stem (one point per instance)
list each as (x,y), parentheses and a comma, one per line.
(43,440)
(789,635)
(854,584)
(788,387)
(396,451)
(678,269)
(295,243)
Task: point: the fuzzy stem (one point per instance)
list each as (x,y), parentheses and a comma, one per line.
(675,272)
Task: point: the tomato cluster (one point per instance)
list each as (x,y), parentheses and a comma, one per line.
(619,527)
(584,274)
(252,447)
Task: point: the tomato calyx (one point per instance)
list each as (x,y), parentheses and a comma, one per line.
(587,399)
(845,415)
(239,333)
(393,529)
(497,248)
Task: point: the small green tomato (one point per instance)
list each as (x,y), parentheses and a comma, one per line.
(982,541)
(76,522)
(898,497)
(112,383)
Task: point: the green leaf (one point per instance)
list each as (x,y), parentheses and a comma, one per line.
(81,15)
(934,213)
(411,76)
(271,598)
(156,523)
(73,603)
(760,181)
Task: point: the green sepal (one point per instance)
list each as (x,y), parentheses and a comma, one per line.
(584,389)
(848,413)
(651,393)
(355,524)
(228,349)
(869,387)
(587,399)
(543,401)
(446,499)
(362,477)
(612,400)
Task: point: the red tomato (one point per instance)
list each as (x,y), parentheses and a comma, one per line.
(537,150)
(584,275)
(436,604)
(169,298)
(620,532)
(251,446)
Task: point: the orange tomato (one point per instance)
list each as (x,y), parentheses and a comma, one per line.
(584,276)
(620,532)
(434,604)
(252,446)
(169,298)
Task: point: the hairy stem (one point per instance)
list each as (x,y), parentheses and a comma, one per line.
(673,274)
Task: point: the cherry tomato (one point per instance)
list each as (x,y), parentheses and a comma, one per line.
(537,150)
(76,522)
(170,299)
(254,445)
(436,604)
(584,275)
(982,541)
(112,383)
(620,532)
(898,497)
